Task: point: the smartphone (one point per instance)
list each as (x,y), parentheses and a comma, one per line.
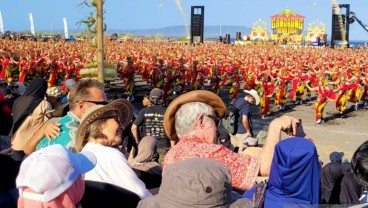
(299,129)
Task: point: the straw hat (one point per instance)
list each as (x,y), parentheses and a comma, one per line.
(252,151)
(203,96)
(120,107)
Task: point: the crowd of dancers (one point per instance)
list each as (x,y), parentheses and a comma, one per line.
(279,74)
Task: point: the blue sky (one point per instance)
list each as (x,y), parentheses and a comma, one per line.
(145,14)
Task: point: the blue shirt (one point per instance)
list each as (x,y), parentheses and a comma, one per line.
(244,111)
(68,130)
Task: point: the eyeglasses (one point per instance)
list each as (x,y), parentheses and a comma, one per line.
(14,87)
(215,119)
(3,84)
(96,102)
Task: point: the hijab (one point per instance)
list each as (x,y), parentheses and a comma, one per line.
(22,88)
(295,174)
(26,103)
(331,176)
(351,190)
(146,159)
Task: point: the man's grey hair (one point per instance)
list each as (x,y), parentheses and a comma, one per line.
(186,117)
(81,91)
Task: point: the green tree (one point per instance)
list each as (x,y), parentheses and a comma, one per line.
(95,25)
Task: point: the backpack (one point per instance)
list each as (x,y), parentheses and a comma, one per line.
(230,121)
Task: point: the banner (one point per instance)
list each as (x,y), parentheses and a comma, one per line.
(32,25)
(65,28)
(1,24)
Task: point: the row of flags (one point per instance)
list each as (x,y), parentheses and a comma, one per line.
(66,34)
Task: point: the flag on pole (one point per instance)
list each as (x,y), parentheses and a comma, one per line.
(65,28)
(32,25)
(1,24)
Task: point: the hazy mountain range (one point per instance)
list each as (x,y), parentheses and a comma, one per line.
(179,31)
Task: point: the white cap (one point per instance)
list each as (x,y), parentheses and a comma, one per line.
(52,170)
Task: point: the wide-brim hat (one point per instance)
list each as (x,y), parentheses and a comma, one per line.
(203,96)
(121,108)
(254,94)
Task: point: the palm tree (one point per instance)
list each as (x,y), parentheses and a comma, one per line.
(95,25)
(100,43)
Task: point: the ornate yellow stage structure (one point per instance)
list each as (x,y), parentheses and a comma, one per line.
(287,27)
(259,31)
(316,30)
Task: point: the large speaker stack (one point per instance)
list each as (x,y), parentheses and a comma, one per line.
(197,24)
(238,36)
(227,39)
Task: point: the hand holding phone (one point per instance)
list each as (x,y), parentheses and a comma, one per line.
(299,129)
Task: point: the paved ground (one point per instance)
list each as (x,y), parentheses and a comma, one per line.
(343,134)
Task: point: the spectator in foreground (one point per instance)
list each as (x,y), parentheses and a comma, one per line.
(147,157)
(331,176)
(87,93)
(146,164)
(196,182)
(359,164)
(351,190)
(192,120)
(245,125)
(54,97)
(52,177)
(5,116)
(100,132)
(17,89)
(29,114)
(295,175)
(150,119)
(69,84)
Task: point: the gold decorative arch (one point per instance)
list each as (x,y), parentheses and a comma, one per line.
(259,30)
(315,29)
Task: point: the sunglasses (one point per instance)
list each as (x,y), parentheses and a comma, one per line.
(215,119)
(96,102)
(3,84)
(14,87)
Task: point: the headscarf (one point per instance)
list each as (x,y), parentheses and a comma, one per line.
(68,198)
(351,190)
(22,88)
(331,176)
(146,159)
(295,174)
(26,103)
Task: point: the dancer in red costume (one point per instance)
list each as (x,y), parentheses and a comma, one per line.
(364,97)
(323,94)
(266,89)
(215,80)
(128,77)
(5,67)
(281,82)
(343,86)
(199,74)
(23,68)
